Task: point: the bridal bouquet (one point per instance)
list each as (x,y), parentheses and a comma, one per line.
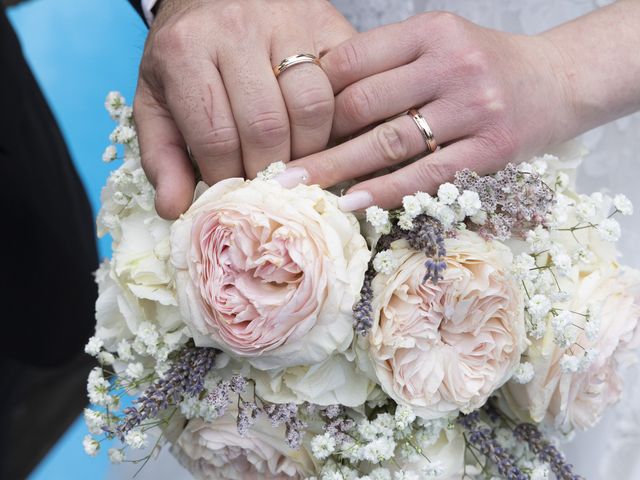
(268,335)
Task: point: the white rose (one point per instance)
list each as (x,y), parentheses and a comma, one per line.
(577,399)
(334,381)
(136,286)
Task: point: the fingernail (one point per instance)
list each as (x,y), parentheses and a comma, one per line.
(292,177)
(355,201)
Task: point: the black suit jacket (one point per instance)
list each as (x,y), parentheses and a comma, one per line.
(47,238)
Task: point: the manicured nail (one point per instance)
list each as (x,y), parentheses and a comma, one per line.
(292,177)
(355,201)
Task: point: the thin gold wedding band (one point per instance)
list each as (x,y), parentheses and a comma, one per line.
(425,130)
(295,60)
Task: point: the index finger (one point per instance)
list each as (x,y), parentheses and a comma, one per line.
(163,155)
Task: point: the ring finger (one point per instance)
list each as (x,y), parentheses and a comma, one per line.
(309,99)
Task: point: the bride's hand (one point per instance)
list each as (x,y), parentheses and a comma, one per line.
(206,81)
(488,97)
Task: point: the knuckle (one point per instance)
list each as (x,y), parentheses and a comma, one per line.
(388,143)
(348,60)
(220,141)
(502,142)
(267,129)
(312,108)
(358,104)
(475,62)
(444,23)
(434,173)
(233,17)
(175,38)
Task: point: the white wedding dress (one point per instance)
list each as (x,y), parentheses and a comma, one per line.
(611,450)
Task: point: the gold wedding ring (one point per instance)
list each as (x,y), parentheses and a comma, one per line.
(425,130)
(295,60)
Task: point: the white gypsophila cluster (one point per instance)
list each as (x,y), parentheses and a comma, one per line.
(95,421)
(448,193)
(449,207)
(523,373)
(623,204)
(94,346)
(322,446)
(577,238)
(116,455)
(99,390)
(91,446)
(273,170)
(136,439)
(385,262)
(379,219)
(404,416)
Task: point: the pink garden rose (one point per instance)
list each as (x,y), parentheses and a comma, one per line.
(267,273)
(216,451)
(446,347)
(578,400)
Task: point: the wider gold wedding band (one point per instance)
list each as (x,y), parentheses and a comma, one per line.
(295,60)
(425,130)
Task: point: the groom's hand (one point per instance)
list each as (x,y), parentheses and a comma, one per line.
(207,82)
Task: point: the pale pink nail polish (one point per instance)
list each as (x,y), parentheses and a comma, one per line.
(292,177)
(355,201)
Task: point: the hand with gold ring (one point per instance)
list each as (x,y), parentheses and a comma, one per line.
(207,82)
(484,96)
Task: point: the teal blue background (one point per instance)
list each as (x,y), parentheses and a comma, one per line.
(80,50)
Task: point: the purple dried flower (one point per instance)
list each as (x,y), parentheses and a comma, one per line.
(545,451)
(294,431)
(332,411)
(362,310)
(185,378)
(427,236)
(280,413)
(238,384)
(483,438)
(247,415)
(218,397)
(514,201)
(339,429)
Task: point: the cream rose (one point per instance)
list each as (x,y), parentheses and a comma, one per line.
(334,381)
(269,274)
(578,400)
(446,347)
(136,286)
(216,451)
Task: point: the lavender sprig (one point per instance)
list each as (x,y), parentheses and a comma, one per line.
(482,437)
(185,378)
(427,236)
(363,310)
(545,451)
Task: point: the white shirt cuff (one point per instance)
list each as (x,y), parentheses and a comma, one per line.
(147,6)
